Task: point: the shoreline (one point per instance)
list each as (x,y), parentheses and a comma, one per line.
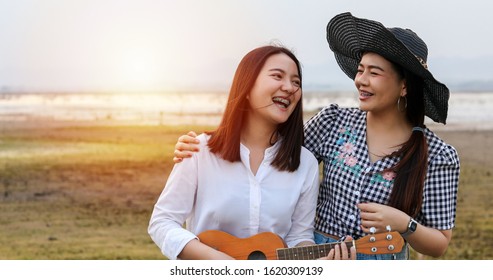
(467,110)
(8,121)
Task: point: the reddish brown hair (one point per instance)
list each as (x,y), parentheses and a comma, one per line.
(225,140)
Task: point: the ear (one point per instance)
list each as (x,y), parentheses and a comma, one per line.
(403,92)
(403,89)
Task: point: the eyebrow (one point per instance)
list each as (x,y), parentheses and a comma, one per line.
(282,71)
(372,67)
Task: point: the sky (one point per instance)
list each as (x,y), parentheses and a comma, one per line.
(152,45)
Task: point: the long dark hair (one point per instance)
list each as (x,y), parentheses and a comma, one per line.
(225,140)
(407,192)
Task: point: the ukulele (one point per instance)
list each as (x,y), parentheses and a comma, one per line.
(269,246)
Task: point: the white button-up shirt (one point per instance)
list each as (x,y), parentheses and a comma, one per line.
(208,193)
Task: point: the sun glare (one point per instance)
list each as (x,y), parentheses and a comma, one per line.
(138,69)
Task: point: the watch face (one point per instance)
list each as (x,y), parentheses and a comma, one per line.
(413,225)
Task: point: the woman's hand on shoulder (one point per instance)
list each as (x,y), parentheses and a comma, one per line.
(186,146)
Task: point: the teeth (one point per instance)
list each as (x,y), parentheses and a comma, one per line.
(281,101)
(364,93)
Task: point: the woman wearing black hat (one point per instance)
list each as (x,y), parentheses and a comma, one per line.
(383,169)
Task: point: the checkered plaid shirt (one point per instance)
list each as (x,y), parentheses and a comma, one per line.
(337,136)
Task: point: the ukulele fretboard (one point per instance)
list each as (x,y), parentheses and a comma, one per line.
(308,252)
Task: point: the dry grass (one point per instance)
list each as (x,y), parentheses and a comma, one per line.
(87,192)
(82,192)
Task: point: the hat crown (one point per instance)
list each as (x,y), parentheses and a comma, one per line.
(412,42)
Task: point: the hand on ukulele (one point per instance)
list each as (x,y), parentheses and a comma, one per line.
(380,216)
(341,252)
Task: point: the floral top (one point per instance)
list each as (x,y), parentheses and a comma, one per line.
(337,136)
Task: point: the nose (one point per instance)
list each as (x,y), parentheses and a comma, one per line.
(361,79)
(289,87)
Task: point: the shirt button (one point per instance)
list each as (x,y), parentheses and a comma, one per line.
(352,217)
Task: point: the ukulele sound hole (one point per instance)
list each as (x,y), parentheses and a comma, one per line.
(257,255)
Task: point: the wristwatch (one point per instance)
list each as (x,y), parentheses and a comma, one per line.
(411,227)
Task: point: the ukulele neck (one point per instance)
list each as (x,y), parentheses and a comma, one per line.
(310,252)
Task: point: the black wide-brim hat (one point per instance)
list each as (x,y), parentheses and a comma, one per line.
(349,37)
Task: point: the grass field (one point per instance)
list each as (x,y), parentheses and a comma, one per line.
(87,192)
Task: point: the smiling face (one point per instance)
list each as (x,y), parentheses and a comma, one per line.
(277,90)
(379,85)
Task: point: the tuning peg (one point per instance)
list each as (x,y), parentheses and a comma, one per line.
(389,229)
(373,230)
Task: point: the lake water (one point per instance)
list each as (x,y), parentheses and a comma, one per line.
(470,110)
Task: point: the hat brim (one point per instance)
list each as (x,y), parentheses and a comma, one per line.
(349,37)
